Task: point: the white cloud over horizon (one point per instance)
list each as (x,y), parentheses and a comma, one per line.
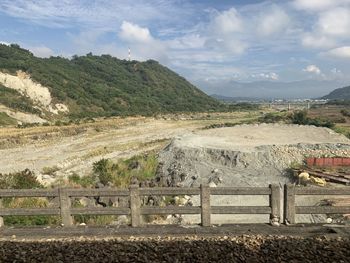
(312,69)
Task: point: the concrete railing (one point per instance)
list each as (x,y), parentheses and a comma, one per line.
(291,209)
(135,210)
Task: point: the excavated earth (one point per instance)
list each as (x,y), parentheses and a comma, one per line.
(246,155)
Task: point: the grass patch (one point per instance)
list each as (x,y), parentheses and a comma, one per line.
(6,120)
(120,174)
(50,170)
(29,220)
(84,181)
(342,130)
(20,180)
(25,180)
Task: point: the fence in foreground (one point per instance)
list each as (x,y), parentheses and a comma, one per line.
(136,210)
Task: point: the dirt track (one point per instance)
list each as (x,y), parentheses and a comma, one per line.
(75,148)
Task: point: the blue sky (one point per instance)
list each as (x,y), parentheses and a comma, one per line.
(205,41)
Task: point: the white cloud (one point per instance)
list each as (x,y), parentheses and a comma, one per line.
(225,31)
(335,22)
(340,52)
(317,41)
(228,22)
(266,76)
(143,45)
(99,14)
(318,5)
(41,51)
(336,71)
(190,41)
(272,22)
(134,33)
(312,69)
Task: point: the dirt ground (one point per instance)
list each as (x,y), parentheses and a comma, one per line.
(249,136)
(76,147)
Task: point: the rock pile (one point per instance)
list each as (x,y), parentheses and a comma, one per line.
(245,155)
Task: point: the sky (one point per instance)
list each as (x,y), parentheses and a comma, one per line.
(204,41)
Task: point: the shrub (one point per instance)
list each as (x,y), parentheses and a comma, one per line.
(29,220)
(300,117)
(272,117)
(19,180)
(104,170)
(120,174)
(83,181)
(345,113)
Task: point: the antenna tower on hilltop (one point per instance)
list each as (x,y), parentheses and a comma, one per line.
(129,55)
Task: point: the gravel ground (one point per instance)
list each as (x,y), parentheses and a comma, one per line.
(242,248)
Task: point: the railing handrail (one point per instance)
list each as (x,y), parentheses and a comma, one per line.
(205,209)
(291,209)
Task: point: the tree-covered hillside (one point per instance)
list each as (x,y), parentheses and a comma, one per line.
(339,94)
(105,86)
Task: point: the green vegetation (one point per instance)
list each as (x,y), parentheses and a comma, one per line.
(339,94)
(242,106)
(83,181)
(345,113)
(273,117)
(339,102)
(20,180)
(28,220)
(120,174)
(6,120)
(300,117)
(342,130)
(24,180)
(94,86)
(14,100)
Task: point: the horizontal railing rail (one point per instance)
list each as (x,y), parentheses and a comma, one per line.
(135,210)
(291,209)
(62,202)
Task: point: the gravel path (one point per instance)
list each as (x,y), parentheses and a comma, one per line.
(243,248)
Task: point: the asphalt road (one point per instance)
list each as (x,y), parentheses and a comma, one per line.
(32,233)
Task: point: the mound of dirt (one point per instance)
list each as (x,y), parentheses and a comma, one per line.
(245,155)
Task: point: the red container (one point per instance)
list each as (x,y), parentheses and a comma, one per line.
(337,161)
(319,161)
(346,161)
(328,161)
(310,161)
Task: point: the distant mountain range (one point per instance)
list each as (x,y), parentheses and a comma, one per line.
(339,94)
(270,89)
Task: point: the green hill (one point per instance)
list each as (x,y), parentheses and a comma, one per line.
(95,86)
(339,94)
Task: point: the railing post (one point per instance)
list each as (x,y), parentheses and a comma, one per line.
(289,204)
(65,203)
(1,218)
(135,205)
(205,205)
(275,199)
